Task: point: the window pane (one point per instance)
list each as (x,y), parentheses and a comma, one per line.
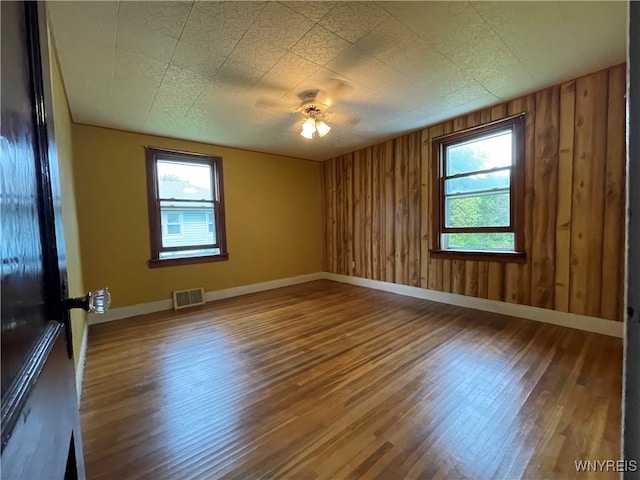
(186,181)
(488,152)
(173,217)
(479,241)
(490,210)
(193,228)
(482,181)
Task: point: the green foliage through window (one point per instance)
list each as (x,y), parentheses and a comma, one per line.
(478,241)
(490,210)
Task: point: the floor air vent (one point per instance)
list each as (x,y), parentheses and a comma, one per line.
(188,298)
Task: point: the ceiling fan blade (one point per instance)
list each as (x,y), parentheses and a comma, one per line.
(343,118)
(283,125)
(334,90)
(272,103)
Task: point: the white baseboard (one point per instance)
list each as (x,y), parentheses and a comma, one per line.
(570,320)
(143,308)
(260,287)
(130,311)
(81,359)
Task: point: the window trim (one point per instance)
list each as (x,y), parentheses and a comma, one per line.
(152,155)
(517,190)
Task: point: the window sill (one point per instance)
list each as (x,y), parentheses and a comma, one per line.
(513,257)
(172,262)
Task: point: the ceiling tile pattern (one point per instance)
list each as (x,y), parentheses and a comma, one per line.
(133,38)
(353,20)
(320,45)
(231,73)
(279,26)
(166,18)
(197,59)
(314,11)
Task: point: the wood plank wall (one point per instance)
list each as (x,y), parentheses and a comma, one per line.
(378,205)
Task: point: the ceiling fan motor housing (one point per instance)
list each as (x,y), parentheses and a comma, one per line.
(313,110)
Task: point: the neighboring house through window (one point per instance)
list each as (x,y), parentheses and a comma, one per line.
(186,207)
(478,192)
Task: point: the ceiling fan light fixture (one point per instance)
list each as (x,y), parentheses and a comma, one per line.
(322,128)
(313,125)
(308,128)
(313,128)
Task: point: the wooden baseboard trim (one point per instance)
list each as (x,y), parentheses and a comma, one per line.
(144,308)
(570,320)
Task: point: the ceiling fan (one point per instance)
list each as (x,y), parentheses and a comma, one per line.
(316,107)
(314,112)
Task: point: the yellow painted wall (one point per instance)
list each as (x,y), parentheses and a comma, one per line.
(62,126)
(273,217)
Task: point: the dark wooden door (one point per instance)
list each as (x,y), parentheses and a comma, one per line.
(632,344)
(40,427)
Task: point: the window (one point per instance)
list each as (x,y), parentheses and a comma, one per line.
(479,192)
(172,221)
(210,227)
(186,208)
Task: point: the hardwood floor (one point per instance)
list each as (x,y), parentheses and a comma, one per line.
(331,381)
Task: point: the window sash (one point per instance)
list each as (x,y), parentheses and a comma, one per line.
(194,253)
(506,229)
(216,222)
(445,239)
(172,159)
(201,246)
(475,172)
(477,193)
(475,140)
(443,202)
(481,228)
(186,200)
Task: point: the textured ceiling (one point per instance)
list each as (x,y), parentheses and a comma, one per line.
(229,73)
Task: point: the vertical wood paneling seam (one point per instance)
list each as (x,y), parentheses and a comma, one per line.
(526,294)
(565,193)
(323,216)
(349,213)
(598,185)
(540,263)
(556,189)
(603,199)
(573,180)
(611,303)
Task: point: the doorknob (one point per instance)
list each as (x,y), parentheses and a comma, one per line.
(97,301)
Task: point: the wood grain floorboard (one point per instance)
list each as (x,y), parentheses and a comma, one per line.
(331,381)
